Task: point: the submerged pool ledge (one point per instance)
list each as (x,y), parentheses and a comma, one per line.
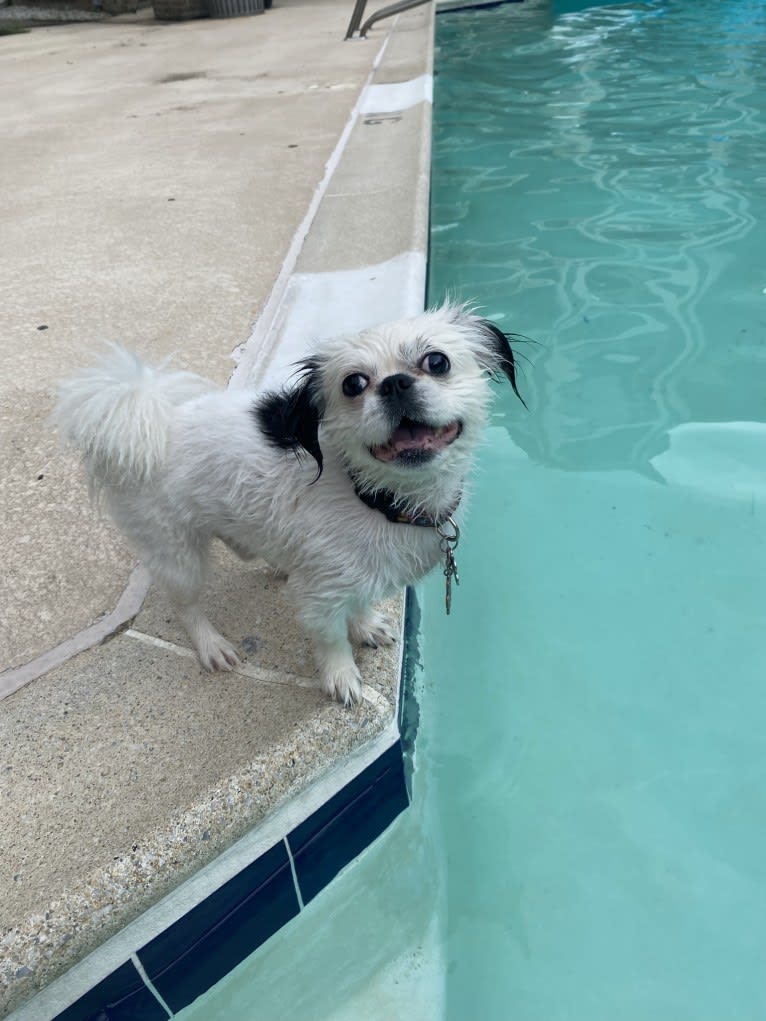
(144,933)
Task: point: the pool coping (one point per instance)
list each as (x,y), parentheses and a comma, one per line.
(304,842)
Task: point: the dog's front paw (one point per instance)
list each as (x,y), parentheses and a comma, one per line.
(214,652)
(344,684)
(373,631)
(218,654)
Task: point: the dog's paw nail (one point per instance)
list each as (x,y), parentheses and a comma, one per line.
(345,688)
(373,634)
(381,636)
(222,658)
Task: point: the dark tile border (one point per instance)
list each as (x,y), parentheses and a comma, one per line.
(121,996)
(193,954)
(475,5)
(348,823)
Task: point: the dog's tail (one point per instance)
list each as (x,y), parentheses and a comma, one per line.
(118,415)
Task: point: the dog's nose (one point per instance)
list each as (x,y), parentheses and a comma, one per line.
(395,384)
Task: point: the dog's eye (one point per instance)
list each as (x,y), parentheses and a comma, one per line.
(354,385)
(436,364)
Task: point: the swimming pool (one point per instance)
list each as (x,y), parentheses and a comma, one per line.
(599,187)
(586,838)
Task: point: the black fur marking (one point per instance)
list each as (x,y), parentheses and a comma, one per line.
(501,345)
(289,418)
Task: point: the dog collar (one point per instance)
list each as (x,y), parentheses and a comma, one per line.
(384,501)
(446,529)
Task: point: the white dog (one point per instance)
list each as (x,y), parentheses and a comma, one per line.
(339,482)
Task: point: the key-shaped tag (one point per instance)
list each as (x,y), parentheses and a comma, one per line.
(450,572)
(448,541)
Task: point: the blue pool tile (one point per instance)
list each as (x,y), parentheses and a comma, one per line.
(121,996)
(343,827)
(203,946)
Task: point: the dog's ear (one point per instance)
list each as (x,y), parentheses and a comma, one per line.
(499,344)
(290,417)
(495,351)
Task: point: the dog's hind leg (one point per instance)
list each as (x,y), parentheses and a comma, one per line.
(182,575)
(214,652)
(238,548)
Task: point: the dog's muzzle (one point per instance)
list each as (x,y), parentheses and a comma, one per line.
(416,442)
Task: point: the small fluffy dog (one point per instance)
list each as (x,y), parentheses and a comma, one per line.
(339,481)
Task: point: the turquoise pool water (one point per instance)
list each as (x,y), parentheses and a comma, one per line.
(587,839)
(600,723)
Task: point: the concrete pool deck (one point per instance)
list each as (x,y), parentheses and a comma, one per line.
(223,193)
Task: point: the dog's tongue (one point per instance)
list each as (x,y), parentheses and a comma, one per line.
(415,436)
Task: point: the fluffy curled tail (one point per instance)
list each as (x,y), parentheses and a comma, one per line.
(118,415)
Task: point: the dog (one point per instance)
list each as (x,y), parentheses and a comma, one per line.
(342,480)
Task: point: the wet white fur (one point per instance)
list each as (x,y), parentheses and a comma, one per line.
(178,464)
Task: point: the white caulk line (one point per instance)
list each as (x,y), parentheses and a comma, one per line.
(373,697)
(262,328)
(254,673)
(148,983)
(296,884)
(126,609)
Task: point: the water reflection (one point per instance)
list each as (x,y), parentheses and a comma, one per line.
(605,200)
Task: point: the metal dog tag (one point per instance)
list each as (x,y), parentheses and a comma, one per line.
(448,541)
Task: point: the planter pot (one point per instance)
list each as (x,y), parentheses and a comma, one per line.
(235,8)
(180,10)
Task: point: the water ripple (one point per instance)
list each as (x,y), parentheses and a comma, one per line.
(599,181)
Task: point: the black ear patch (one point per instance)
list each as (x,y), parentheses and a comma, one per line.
(500,344)
(290,418)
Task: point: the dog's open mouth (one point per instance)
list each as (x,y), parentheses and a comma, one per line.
(414,442)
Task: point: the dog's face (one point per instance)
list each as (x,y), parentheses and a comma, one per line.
(403,403)
(407,395)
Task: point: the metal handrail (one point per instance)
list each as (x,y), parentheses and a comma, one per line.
(384,12)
